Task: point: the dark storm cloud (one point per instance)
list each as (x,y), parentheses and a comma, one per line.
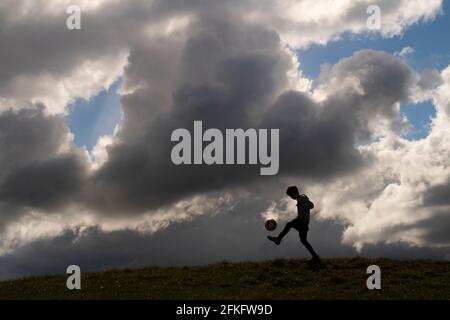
(235,81)
(239,87)
(35,172)
(27,136)
(436,229)
(44,185)
(438,195)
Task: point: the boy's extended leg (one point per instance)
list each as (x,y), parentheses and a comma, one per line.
(303,239)
(284,232)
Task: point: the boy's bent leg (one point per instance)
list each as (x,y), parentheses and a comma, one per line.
(285,230)
(303,239)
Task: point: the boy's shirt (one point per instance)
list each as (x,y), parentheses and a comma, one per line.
(303,209)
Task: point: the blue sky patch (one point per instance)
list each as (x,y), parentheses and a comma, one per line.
(89,120)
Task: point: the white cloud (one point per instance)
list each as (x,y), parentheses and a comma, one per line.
(301,23)
(405,52)
(385,201)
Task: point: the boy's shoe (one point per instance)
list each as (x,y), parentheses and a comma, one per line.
(315,263)
(276,240)
(315,259)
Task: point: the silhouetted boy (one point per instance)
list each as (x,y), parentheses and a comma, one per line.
(301,223)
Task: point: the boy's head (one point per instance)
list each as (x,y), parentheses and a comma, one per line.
(292,192)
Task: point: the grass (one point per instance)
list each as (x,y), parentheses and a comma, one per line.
(275,279)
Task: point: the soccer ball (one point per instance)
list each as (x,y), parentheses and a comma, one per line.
(270,225)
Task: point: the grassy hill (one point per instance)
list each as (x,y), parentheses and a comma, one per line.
(276,279)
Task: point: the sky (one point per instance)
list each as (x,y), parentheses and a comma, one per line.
(86,175)
(91,119)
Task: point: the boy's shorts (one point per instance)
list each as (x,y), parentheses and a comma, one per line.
(299,225)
